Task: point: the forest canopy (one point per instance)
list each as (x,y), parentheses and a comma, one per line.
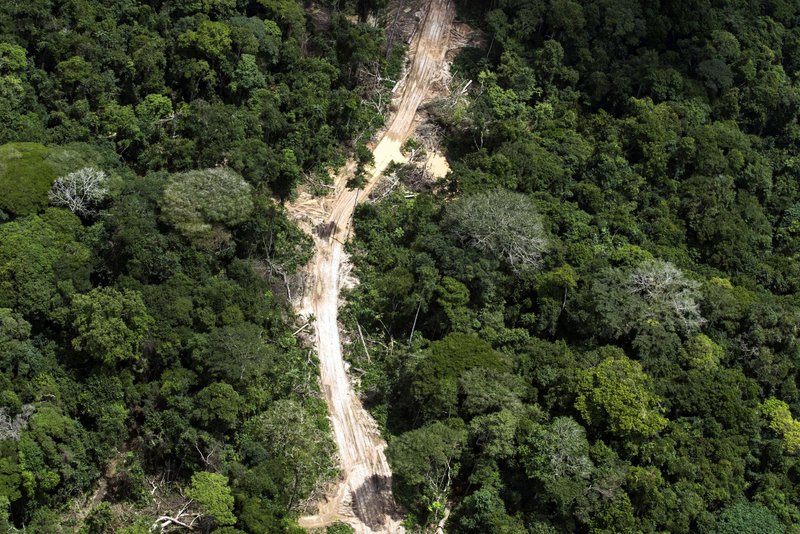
(148,366)
(643,153)
(589,325)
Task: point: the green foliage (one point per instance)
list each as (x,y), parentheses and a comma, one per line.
(99,520)
(702,353)
(212,495)
(339,528)
(298,444)
(424,463)
(110,325)
(484,511)
(748,518)
(616,391)
(434,385)
(50,438)
(196,203)
(555,452)
(218,405)
(25,176)
(247,76)
(41,263)
(780,420)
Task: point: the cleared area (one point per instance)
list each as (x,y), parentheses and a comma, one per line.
(363,497)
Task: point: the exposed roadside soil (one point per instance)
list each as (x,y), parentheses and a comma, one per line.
(363,497)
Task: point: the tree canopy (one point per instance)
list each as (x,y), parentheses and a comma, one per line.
(151,372)
(619,227)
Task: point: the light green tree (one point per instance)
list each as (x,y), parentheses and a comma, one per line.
(616,391)
(213,496)
(213,39)
(703,353)
(748,518)
(40,261)
(198,203)
(248,75)
(779,419)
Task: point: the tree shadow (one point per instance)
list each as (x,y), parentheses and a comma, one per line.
(372,502)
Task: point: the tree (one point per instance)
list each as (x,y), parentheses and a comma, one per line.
(80,191)
(111,325)
(300,448)
(12,428)
(247,75)
(288,14)
(218,406)
(616,391)
(213,496)
(485,511)
(668,293)
(200,203)
(53,454)
(493,434)
(434,384)
(653,294)
(41,263)
(339,528)
(453,298)
(241,355)
(780,420)
(485,390)
(746,517)
(425,462)
(25,177)
(212,39)
(555,451)
(703,353)
(500,223)
(12,58)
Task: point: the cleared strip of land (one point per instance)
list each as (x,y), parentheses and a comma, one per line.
(364,499)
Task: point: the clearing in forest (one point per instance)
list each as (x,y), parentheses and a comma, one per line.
(363,497)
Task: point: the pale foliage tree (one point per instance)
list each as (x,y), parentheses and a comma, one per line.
(568,449)
(556,451)
(503,224)
(201,203)
(668,293)
(11,428)
(80,191)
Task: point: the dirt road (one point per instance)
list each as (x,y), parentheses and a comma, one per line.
(363,499)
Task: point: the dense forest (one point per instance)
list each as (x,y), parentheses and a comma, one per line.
(148,365)
(591,325)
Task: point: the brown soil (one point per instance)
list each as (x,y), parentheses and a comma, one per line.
(363,497)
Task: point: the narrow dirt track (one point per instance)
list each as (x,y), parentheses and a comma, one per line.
(363,499)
